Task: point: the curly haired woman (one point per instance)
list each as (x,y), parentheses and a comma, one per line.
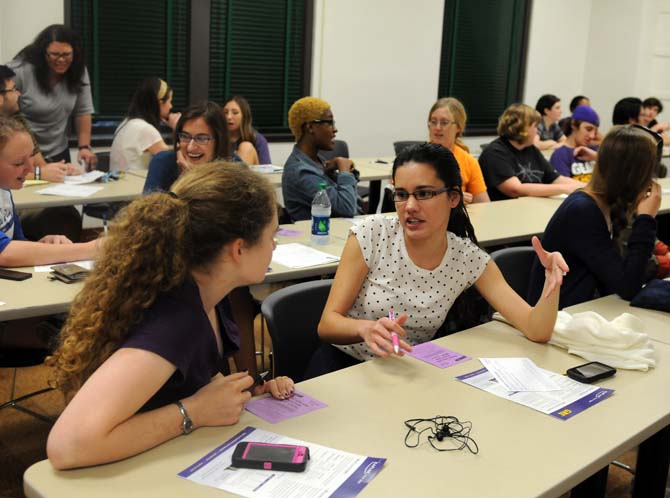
(146,336)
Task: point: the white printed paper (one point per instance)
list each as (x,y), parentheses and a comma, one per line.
(519,374)
(329,473)
(572,398)
(87,264)
(89,177)
(70,190)
(297,255)
(265,168)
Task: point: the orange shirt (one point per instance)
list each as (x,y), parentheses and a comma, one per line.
(471,172)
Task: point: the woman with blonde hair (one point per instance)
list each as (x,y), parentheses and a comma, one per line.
(513,166)
(446,124)
(16,162)
(146,338)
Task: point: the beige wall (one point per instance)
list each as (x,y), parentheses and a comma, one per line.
(377,61)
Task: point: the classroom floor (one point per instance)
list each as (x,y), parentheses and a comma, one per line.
(23,437)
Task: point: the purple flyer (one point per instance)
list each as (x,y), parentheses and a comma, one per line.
(437,355)
(277,410)
(288,232)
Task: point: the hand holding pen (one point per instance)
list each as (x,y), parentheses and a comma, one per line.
(378,336)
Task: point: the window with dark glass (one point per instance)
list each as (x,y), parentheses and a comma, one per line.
(483,57)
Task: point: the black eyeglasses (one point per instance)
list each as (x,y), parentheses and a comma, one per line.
(423,194)
(656,136)
(9,90)
(60,55)
(201,139)
(330,122)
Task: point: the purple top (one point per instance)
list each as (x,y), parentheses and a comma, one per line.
(177,329)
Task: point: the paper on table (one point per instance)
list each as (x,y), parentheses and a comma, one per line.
(288,232)
(329,473)
(70,190)
(437,355)
(572,398)
(296,255)
(265,168)
(89,177)
(519,374)
(276,410)
(88,264)
(30,183)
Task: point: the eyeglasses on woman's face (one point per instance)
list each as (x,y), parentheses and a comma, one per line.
(424,194)
(200,139)
(434,123)
(60,55)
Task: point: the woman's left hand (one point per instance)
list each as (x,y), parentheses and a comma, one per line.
(279,387)
(555,267)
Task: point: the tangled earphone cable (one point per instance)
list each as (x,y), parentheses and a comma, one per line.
(440,428)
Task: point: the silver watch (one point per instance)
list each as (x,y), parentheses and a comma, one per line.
(187,424)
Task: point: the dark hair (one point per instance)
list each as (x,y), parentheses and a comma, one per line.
(446,167)
(625,110)
(546,102)
(6,73)
(653,102)
(627,161)
(36,54)
(145,103)
(575,102)
(468,308)
(213,116)
(247,133)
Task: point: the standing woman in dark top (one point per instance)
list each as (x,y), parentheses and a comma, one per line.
(251,146)
(587,226)
(145,339)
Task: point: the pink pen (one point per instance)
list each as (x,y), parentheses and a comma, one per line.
(394,336)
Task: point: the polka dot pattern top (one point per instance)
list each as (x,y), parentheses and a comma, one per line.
(394,281)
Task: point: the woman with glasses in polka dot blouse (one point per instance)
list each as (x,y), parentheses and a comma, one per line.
(418,263)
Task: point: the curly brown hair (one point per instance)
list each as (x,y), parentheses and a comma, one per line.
(514,122)
(152,246)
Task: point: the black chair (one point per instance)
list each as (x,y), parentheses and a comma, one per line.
(402,145)
(515,264)
(17,358)
(341,149)
(292,315)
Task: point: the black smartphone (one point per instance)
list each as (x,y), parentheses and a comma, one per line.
(14,275)
(591,372)
(269,456)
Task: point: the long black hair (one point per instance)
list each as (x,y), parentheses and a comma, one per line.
(145,103)
(36,54)
(470,308)
(446,167)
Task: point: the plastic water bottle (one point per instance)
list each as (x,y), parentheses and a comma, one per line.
(321,217)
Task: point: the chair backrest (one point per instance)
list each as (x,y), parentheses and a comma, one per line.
(341,149)
(293,315)
(515,264)
(400,146)
(103,161)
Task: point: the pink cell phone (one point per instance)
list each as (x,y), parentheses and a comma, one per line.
(268,456)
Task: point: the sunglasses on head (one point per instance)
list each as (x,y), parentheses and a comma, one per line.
(658,138)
